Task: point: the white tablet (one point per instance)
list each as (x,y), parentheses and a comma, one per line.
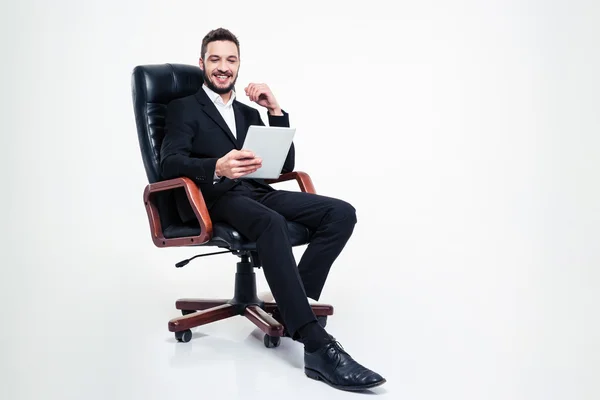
(271,144)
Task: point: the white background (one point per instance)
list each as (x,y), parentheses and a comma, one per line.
(465,133)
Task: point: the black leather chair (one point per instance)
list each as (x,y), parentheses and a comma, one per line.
(153,87)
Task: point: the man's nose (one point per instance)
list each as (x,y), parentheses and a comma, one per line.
(222,66)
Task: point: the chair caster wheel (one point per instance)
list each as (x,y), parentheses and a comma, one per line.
(322,320)
(183,336)
(271,341)
(186,312)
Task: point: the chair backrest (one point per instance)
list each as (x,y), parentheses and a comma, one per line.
(153,87)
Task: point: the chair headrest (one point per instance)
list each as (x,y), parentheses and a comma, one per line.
(161,83)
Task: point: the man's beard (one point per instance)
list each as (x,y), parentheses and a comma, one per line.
(215,88)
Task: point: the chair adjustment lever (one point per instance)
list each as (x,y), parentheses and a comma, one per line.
(185,262)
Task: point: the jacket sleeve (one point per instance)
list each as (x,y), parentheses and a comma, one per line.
(175,153)
(283,121)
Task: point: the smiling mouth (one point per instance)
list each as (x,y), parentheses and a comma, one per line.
(222,78)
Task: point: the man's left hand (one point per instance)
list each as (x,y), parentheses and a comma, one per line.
(261,94)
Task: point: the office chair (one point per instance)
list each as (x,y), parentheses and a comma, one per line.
(153,87)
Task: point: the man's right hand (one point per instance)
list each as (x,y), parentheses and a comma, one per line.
(237,163)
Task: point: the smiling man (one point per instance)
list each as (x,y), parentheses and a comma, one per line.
(203,134)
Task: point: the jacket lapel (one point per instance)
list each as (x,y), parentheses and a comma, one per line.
(211,110)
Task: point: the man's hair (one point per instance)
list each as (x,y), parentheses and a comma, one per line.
(215,35)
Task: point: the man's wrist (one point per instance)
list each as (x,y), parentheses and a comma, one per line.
(276,111)
(218,169)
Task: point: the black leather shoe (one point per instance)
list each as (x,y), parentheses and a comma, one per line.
(333,365)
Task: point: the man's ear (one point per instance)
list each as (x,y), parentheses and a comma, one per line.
(201,63)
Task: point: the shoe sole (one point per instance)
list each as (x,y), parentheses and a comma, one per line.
(311,373)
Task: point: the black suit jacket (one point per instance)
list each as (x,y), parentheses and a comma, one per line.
(196,135)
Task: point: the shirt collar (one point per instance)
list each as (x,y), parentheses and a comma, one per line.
(216,97)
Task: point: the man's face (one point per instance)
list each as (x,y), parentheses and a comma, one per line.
(221,63)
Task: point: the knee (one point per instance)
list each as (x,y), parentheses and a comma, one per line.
(274,221)
(267,222)
(343,213)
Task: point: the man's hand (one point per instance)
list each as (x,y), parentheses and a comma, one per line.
(261,94)
(237,163)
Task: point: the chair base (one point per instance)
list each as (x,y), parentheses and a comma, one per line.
(245,302)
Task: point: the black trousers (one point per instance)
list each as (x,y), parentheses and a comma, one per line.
(260,215)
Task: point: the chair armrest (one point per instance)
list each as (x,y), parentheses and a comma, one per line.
(196,202)
(302,178)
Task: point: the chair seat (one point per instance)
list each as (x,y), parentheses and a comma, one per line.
(226,236)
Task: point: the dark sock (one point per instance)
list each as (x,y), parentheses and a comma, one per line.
(313,336)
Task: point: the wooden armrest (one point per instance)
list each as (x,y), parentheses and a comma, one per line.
(302,178)
(196,202)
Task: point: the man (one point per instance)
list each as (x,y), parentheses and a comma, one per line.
(203,134)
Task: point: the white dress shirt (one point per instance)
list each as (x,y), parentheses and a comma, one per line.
(226,111)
